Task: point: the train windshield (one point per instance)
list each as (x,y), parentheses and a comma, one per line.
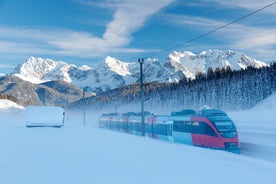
(226,129)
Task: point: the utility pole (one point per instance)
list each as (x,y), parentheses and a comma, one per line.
(84,106)
(141,62)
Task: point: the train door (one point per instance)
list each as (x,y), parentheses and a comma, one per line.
(150,121)
(162,127)
(182,132)
(211,139)
(126,122)
(170,129)
(204,135)
(196,133)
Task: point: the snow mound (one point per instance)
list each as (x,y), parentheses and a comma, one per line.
(9,106)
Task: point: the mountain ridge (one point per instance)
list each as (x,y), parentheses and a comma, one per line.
(113,73)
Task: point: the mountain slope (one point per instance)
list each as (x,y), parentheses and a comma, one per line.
(58,93)
(48,93)
(24,91)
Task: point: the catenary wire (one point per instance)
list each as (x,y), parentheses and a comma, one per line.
(210,32)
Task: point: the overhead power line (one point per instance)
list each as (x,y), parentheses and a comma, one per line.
(212,31)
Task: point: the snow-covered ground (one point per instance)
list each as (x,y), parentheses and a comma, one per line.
(81,153)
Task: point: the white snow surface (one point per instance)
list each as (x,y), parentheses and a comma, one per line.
(84,154)
(9,106)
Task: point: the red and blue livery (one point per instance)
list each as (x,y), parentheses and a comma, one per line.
(210,128)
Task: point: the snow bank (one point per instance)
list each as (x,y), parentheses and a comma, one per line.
(9,106)
(39,116)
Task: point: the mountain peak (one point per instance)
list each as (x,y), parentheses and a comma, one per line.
(36,70)
(117,66)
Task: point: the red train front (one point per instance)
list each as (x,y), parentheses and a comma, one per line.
(215,130)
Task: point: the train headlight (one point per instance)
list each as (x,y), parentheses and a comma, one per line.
(231,145)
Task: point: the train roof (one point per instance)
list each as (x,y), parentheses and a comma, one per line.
(110,114)
(212,112)
(146,113)
(183,112)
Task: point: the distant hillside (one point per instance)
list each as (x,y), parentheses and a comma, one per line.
(8,97)
(48,93)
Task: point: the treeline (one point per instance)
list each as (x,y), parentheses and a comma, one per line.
(9,97)
(222,88)
(219,88)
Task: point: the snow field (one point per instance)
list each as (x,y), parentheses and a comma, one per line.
(82,153)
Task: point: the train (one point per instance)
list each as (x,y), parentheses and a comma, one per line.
(209,128)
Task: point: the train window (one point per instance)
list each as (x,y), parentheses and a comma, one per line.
(161,129)
(130,126)
(205,129)
(224,126)
(201,128)
(210,131)
(149,128)
(113,125)
(123,125)
(118,124)
(226,129)
(193,127)
(178,126)
(138,127)
(183,126)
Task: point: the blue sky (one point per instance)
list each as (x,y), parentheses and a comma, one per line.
(86,31)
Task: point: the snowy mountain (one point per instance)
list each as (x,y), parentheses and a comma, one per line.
(191,64)
(38,70)
(113,73)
